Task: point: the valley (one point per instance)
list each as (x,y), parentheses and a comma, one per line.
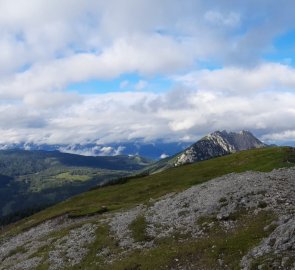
(33,180)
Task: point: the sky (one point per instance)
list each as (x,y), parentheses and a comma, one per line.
(80,71)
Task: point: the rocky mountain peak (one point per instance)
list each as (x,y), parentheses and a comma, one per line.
(219,143)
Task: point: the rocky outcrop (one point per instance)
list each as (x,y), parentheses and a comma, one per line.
(216,203)
(218,143)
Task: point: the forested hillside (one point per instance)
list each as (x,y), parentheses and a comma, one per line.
(32,180)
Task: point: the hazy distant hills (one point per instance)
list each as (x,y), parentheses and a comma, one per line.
(155,150)
(152,150)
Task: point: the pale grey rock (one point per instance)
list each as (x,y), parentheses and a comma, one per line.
(175,212)
(28,264)
(218,143)
(30,241)
(282,239)
(120,223)
(72,248)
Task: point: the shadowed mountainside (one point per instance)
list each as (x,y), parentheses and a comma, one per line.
(32,180)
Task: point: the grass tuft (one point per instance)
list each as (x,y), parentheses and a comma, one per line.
(138,228)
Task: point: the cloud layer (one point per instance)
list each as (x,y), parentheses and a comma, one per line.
(47,45)
(180,114)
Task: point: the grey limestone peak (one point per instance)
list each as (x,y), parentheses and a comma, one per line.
(219,143)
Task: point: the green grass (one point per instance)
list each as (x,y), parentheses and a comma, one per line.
(103,245)
(67,176)
(15,251)
(201,253)
(141,190)
(138,228)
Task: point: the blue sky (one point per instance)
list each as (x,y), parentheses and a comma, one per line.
(283,49)
(126,82)
(76,71)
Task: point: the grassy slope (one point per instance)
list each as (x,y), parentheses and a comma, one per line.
(141,190)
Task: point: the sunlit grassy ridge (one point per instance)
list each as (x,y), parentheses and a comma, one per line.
(141,190)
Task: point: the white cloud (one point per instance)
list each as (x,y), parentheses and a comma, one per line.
(106,150)
(92,150)
(34,32)
(124,56)
(286,135)
(84,151)
(265,77)
(124,84)
(45,100)
(231,19)
(260,105)
(141,85)
(164,156)
(119,150)
(47,45)
(126,116)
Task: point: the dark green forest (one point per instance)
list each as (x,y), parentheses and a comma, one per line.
(33,180)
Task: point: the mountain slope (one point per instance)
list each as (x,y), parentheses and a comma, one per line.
(151,150)
(216,144)
(31,180)
(214,225)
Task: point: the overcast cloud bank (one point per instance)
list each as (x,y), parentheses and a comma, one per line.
(226,69)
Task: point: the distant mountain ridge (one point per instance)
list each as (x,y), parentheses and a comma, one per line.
(47,177)
(154,150)
(218,143)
